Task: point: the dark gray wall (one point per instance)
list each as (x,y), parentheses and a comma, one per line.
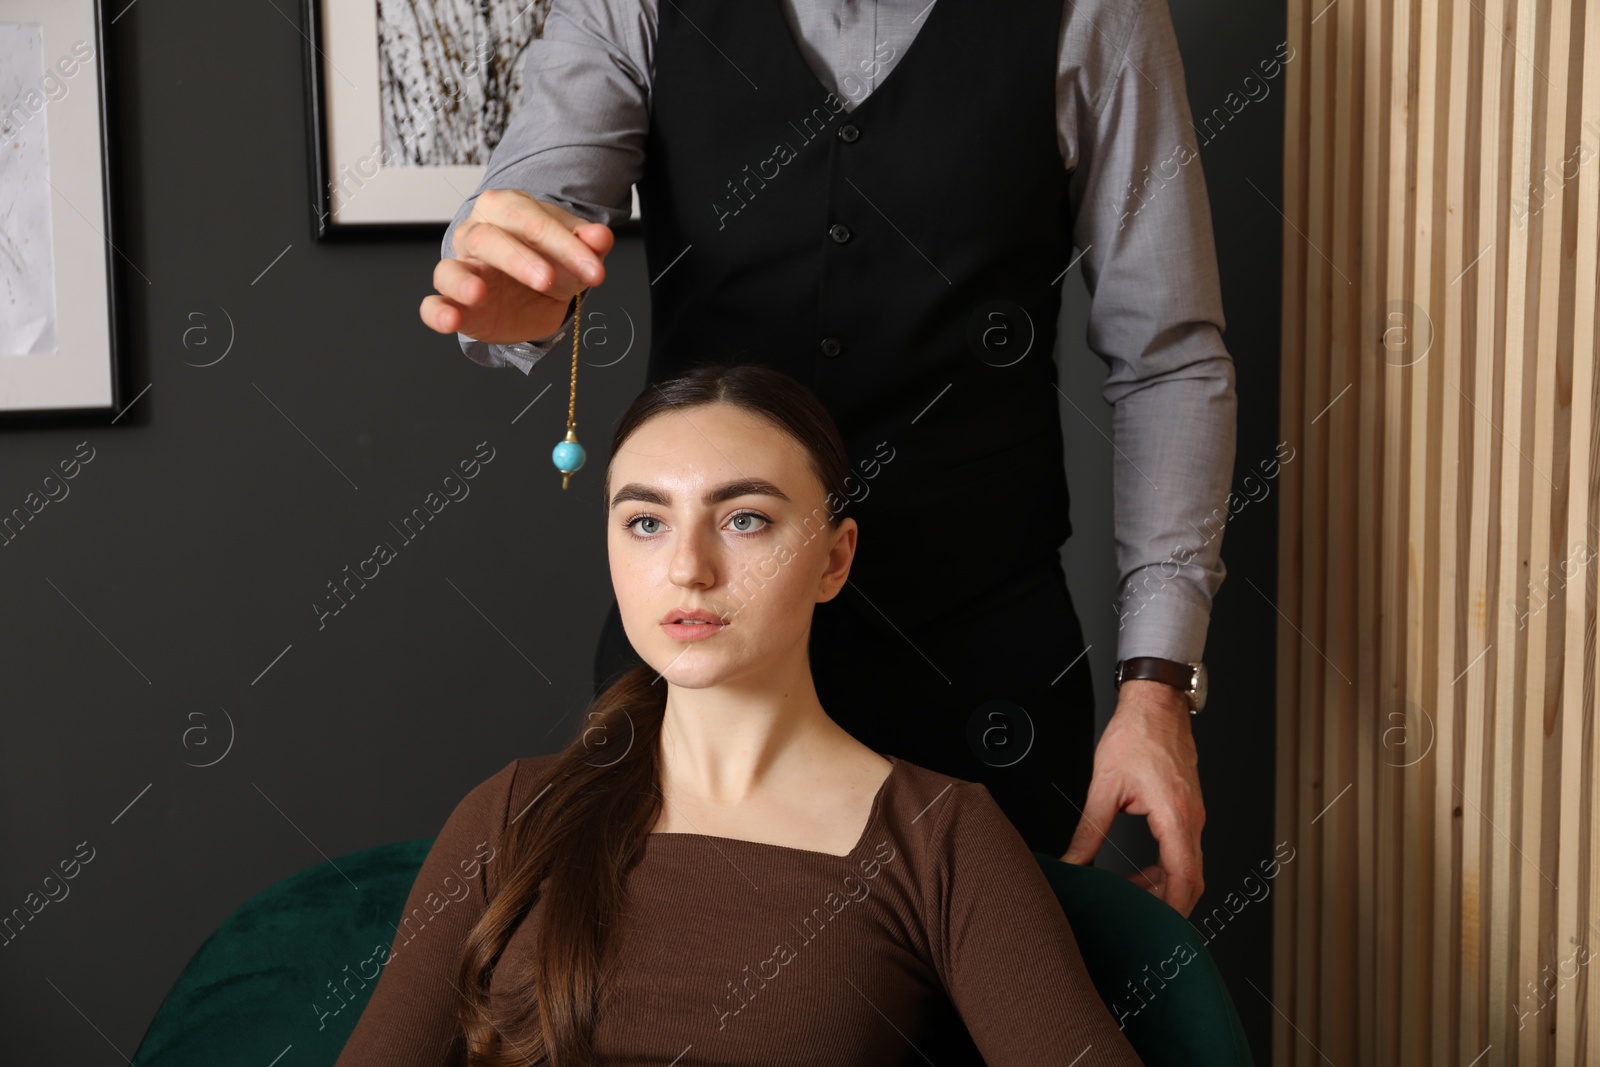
(171,591)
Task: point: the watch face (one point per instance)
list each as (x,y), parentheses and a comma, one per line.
(1201,683)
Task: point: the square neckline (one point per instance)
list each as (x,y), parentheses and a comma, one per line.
(873,816)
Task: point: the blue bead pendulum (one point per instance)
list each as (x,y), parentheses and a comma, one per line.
(568,455)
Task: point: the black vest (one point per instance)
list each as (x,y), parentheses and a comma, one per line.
(902,259)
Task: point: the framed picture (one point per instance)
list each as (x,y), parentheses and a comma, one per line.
(62,259)
(408,99)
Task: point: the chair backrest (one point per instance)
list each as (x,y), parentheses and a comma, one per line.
(1151,967)
(289,968)
(285,969)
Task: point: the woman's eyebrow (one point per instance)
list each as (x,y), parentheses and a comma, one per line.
(649,494)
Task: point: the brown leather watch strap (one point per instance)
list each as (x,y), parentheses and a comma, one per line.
(1178,675)
(1187,678)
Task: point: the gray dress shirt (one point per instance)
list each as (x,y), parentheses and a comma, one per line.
(1142,225)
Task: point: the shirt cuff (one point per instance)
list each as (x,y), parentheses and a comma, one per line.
(1162,619)
(522,355)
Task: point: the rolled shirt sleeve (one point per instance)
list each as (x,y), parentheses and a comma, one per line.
(1143,223)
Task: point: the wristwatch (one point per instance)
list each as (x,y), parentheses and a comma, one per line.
(1188,678)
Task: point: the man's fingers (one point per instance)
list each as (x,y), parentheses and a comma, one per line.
(1093,825)
(500,248)
(1178,839)
(463,287)
(441,315)
(597,235)
(1152,879)
(460,280)
(530,240)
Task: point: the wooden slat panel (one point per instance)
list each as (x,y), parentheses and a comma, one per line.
(1439,534)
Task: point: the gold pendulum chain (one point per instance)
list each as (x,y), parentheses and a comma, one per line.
(569,455)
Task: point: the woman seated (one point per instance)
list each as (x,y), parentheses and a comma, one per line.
(713,871)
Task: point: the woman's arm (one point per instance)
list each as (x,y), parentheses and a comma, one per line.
(411,1020)
(1005,951)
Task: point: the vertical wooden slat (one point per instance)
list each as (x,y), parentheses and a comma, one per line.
(1510,646)
(1546,464)
(1578,910)
(1335,429)
(1448,720)
(1421,585)
(1372,25)
(1394,216)
(1483,317)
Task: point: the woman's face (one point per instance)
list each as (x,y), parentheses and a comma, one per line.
(715,509)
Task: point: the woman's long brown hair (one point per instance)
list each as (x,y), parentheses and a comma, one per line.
(573,845)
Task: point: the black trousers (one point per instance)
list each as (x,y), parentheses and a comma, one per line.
(984,692)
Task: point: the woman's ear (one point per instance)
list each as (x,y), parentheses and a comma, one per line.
(841,552)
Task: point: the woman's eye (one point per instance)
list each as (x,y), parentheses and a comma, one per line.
(632,524)
(748,515)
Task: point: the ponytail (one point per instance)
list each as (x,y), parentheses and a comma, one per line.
(571,849)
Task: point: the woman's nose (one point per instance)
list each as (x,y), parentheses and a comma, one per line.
(694,557)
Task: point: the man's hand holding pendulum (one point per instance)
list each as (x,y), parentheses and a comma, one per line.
(519,261)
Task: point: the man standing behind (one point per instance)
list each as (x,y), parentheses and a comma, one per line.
(881,199)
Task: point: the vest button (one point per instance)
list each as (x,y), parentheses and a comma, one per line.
(848,133)
(830,346)
(839,232)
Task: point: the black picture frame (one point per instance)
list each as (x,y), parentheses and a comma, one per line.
(324,227)
(112,208)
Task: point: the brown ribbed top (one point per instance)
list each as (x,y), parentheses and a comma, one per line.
(739,952)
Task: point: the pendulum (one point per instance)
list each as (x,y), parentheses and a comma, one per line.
(568,455)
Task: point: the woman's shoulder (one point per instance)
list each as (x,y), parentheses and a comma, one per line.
(941,811)
(478,823)
(927,793)
(961,844)
(523,779)
(494,801)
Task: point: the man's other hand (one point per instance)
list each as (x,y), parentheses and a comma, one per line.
(1146,764)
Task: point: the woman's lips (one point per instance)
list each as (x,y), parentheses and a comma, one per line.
(692,631)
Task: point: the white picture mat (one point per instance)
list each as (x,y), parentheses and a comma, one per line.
(364,191)
(28,309)
(78,374)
